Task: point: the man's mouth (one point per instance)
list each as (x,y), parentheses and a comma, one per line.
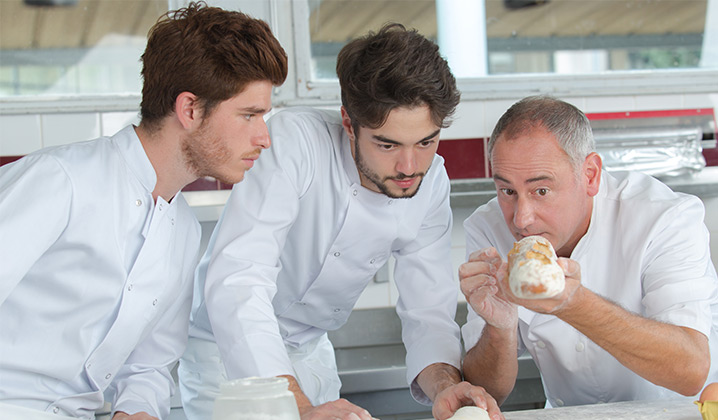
(404,183)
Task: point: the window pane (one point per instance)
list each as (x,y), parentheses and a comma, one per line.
(526,36)
(60,47)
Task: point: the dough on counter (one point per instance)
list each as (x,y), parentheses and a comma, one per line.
(533,270)
(470,413)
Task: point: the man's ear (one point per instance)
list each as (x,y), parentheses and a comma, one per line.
(187,109)
(592,173)
(347,123)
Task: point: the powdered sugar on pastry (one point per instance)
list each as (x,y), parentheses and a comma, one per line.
(533,270)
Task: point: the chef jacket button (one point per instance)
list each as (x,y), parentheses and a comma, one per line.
(580,346)
(154,302)
(303,303)
(559,402)
(541,345)
(129,288)
(336,254)
(55,410)
(108,376)
(172,221)
(138,202)
(337,310)
(372,261)
(390,202)
(355,192)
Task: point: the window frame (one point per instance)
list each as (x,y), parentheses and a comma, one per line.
(289,20)
(613,83)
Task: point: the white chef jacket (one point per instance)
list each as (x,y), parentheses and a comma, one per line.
(646,249)
(299,240)
(96,280)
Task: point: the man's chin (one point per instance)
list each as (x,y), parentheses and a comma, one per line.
(230,179)
(402,193)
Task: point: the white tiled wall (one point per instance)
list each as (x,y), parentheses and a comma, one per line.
(59,129)
(22,134)
(19,134)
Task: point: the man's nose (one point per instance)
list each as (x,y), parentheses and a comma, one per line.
(261,138)
(523,213)
(407,163)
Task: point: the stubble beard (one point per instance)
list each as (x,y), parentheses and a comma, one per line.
(204,154)
(380,183)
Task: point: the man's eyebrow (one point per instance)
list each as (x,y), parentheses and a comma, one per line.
(390,141)
(539,178)
(255,110)
(502,179)
(528,181)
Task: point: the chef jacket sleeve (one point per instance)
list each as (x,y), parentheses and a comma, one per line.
(144,382)
(35,198)
(679,280)
(428,293)
(242,272)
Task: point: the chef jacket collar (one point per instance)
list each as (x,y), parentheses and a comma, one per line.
(131,150)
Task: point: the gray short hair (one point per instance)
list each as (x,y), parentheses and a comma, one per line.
(565,121)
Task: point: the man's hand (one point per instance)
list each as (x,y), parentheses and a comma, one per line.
(462,394)
(552,305)
(340,409)
(480,278)
(137,416)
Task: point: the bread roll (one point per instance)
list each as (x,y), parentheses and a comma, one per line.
(470,413)
(533,270)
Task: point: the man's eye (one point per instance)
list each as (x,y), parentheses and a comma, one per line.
(386,146)
(426,143)
(507,191)
(248,117)
(542,191)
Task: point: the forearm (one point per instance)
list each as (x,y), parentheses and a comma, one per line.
(674,357)
(492,363)
(436,377)
(303,402)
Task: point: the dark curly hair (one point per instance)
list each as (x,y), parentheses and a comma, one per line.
(392,68)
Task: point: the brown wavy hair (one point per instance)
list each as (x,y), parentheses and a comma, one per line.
(210,52)
(392,68)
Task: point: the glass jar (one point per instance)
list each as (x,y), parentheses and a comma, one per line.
(255,399)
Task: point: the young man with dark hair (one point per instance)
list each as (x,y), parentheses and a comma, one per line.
(98,246)
(299,240)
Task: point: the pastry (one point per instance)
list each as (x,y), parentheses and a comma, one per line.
(470,413)
(533,270)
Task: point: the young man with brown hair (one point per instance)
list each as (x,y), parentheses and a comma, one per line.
(97,245)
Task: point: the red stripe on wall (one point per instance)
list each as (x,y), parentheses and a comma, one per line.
(711,156)
(464,158)
(650,114)
(7,159)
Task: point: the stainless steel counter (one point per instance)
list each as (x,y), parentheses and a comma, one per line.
(629,410)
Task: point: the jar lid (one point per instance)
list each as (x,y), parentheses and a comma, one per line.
(254,385)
